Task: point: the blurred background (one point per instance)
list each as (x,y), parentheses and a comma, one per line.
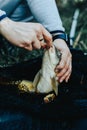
(10,54)
(67,10)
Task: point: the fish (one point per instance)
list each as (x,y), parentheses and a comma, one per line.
(45,80)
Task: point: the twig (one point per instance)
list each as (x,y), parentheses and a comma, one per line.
(73,26)
(77,38)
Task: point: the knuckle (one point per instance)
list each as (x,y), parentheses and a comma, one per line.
(64,70)
(62,65)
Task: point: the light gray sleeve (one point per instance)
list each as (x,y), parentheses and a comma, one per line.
(46,12)
(2,12)
(9,5)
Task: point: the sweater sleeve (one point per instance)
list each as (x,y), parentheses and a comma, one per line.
(46,13)
(2,12)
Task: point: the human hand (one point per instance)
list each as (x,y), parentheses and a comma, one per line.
(64,68)
(26,35)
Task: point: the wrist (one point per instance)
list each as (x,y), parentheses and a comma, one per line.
(58,34)
(4,25)
(2,17)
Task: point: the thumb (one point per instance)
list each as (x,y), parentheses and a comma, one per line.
(47,37)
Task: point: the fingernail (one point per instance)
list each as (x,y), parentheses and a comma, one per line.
(61,81)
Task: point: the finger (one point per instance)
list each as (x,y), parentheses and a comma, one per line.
(47,37)
(43,44)
(29,47)
(36,44)
(21,45)
(67,78)
(65,68)
(40,37)
(66,75)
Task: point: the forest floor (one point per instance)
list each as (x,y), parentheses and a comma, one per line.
(10,54)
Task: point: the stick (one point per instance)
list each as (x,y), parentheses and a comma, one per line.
(77,39)
(73,26)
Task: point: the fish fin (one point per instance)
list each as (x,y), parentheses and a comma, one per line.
(55,85)
(26,86)
(48,98)
(36,79)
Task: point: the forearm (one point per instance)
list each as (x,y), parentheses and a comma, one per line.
(2,16)
(46,13)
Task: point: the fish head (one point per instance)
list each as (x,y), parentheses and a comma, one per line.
(54,56)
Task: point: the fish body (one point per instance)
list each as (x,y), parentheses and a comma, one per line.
(45,80)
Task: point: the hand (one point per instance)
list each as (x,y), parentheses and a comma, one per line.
(64,68)
(27,35)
